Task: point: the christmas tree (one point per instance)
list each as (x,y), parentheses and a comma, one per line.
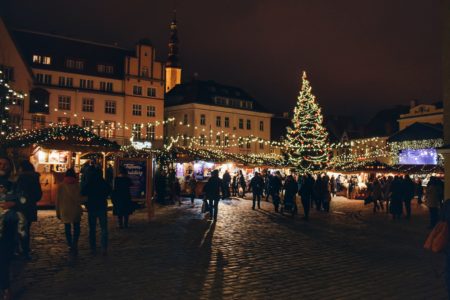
(307,146)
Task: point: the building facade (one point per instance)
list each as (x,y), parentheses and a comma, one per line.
(422,113)
(115,92)
(214,116)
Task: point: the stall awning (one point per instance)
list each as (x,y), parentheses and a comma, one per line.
(69,138)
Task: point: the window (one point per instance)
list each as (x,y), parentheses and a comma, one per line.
(136,132)
(248,145)
(151,111)
(185,140)
(151,92)
(202,140)
(65,81)
(109,129)
(249,124)
(106,86)
(79,64)
(44,78)
(241,124)
(110,107)
(88,105)
(227,122)
(218,121)
(226,141)
(101,68)
(70,63)
(261,145)
(217,140)
(64,102)
(150,133)
(261,125)
(7,73)
(86,84)
(137,90)
(144,72)
(202,119)
(37,121)
(63,121)
(41,59)
(87,124)
(185,119)
(137,110)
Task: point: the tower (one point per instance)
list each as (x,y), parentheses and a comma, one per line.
(173,69)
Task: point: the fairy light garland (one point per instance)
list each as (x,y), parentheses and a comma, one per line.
(8,97)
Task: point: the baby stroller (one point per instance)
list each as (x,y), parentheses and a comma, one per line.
(288,205)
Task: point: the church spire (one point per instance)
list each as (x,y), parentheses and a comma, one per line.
(173,59)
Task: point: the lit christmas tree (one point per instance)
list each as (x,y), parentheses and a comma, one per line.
(307,146)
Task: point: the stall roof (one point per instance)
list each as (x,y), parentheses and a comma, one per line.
(418,131)
(418,169)
(70,138)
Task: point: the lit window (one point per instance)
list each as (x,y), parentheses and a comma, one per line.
(137,90)
(40,59)
(110,107)
(202,119)
(109,129)
(150,133)
(151,111)
(218,121)
(151,92)
(227,122)
(137,110)
(64,102)
(88,105)
(136,132)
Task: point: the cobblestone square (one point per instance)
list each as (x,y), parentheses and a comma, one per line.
(248,254)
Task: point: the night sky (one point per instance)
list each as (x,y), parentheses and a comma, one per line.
(361,55)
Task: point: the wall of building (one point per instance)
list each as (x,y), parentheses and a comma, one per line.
(423,113)
(194,128)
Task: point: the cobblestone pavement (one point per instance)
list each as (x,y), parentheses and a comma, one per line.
(248,254)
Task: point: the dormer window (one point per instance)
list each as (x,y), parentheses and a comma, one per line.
(102,68)
(41,59)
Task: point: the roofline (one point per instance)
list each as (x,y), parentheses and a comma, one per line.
(69,38)
(186,105)
(424,115)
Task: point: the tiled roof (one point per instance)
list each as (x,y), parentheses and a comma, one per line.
(418,131)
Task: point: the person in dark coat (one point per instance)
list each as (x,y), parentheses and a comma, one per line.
(256,185)
(121,197)
(160,187)
(325,193)
(275,188)
(408,190)
(234,185)
(29,187)
(305,193)
(333,187)
(396,191)
(419,191)
(109,175)
(242,183)
(97,191)
(212,191)
(192,186)
(317,193)
(226,180)
(291,189)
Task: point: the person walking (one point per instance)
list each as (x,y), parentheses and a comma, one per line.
(317,193)
(333,187)
(396,191)
(121,197)
(325,193)
(305,193)
(408,192)
(377,195)
(68,208)
(275,188)
(242,183)
(160,187)
(226,180)
(434,199)
(419,191)
(28,187)
(291,189)
(97,191)
(234,185)
(387,192)
(212,191)
(192,186)
(256,185)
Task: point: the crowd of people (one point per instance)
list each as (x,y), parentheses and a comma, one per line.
(20,194)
